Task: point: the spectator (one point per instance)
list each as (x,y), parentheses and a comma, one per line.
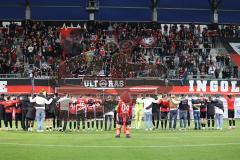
(216,73)
(235,72)
(211,70)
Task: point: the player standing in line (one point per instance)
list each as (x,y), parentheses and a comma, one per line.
(50,114)
(203,110)
(211,112)
(30,115)
(148,100)
(64,103)
(231,111)
(25,104)
(2,111)
(81,112)
(183,109)
(99,113)
(73,115)
(116,100)
(156,112)
(196,112)
(164,109)
(57,113)
(173,106)
(219,110)
(90,113)
(18,115)
(124,115)
(55,108)
(138,111)
(109,106)
(133,125)
(189,115)
(9,105)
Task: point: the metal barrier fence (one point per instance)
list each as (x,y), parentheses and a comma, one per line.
(10,75)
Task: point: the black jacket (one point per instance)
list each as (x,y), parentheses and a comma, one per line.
(51,108)
(211,107)
(155,108)
(28,107)
(183,105)
(25,103)
(109,106)
(31,113)
(195,101)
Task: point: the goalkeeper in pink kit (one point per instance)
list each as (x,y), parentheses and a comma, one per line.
(124,115)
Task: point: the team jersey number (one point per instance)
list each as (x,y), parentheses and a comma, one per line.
(81,105)
(125,107)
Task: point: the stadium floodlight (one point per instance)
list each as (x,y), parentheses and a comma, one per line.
(92,6)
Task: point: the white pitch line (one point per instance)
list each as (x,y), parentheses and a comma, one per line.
(106,146)
(152,137)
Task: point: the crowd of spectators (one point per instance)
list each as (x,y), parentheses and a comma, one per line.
(154,44)
(183,49)
(230,31)
(10,60)
(28,47)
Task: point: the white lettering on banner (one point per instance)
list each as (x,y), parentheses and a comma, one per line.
(110,83)
(224,86)
(191,83)
(121,83)
(201,86)
(3,86)
(234,87)
(95,83)
(214,86)
(103,83)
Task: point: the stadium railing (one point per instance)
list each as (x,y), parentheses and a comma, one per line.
(201,76)
(10,75)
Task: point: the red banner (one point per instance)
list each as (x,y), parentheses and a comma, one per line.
(28,89)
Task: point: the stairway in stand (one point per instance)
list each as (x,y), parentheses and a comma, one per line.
(232,45)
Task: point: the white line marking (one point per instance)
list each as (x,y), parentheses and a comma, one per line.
(135,138)
(106,146)
(103,137)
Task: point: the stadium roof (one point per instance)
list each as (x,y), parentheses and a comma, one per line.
(197,11)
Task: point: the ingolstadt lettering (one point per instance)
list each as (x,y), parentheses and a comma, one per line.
(214,86)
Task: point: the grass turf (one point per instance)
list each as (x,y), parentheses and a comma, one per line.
(91,145)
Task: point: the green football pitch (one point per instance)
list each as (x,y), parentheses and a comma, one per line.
(92,145)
